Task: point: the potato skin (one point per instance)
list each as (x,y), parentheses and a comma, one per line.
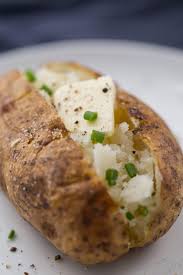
(54,187)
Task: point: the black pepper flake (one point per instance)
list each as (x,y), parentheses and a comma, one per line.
(32,266)
(57,258)
(19,264)
(134,152)
(84,133)
(76,122)
(78,109)
(104,90)
(13,249)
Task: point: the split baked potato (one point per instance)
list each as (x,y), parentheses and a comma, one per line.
(90,166)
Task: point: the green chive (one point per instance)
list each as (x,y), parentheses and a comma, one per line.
(129,216)
(142,211)
(97,137)
(131,169)
(90,116)
(47,89)
(12,235)
(111,176)
(30,76)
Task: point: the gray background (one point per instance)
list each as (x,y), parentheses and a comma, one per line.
(27,22)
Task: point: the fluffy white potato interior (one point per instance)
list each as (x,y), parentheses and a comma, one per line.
(138,189)
(104,158)
(126,190)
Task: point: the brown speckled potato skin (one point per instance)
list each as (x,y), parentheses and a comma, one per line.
(53,186)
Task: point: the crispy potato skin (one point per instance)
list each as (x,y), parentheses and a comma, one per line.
(54,187)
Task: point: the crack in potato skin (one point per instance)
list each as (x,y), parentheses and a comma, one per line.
(55,188)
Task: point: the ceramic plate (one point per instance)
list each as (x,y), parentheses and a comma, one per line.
(154,74)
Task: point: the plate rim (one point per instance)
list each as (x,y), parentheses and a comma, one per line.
(133,46)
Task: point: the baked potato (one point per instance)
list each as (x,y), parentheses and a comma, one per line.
(90,166)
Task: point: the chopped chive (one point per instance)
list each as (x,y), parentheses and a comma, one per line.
(97,137)
(111,176)
(45,88)
(90,116)
(129,216)
(142,211)
(12,235)
(131,169)
(30,76)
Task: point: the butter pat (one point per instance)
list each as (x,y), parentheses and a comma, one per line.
(96,95)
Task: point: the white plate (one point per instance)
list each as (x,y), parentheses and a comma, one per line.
(153,73)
